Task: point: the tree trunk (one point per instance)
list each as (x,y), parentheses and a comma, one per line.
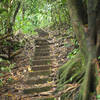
(87,40)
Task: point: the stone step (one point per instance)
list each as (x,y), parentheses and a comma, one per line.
(36,73)
(42,47)
(38,81)
(43,57)
(41,62)
(48,83)
(45,51)
(37,90)
(38,68)
(44,60)
(43,43)
(41,40)
(42,54)
(29,97)
(51,97)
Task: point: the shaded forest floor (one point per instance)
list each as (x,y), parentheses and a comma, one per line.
(22,63)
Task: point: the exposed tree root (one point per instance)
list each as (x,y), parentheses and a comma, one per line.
(71,73)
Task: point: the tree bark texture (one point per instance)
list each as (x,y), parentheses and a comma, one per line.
(89,40)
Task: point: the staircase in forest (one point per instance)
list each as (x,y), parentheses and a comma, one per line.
(41,79)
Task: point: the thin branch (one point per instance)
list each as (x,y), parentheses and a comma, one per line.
(16,11)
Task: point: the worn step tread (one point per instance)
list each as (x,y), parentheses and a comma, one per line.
(43,57)
(42,62)
(44,72)
(44,97)
(49,83)
(43,47)
(43,65)
(38,68)
(42,43)
(37,90)
(38,81)
(43,52)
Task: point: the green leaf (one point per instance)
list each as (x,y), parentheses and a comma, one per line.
(99,58)
(1,83)
(2,68)
(1,74)
(63,1)
(1,59)
(2,10)
(98,96)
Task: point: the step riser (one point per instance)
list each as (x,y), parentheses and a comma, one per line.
(43,44)
(41,41)
(50,98)
(34,74)
(41,68)
(43,57)
(43,51)
(39,81)
(41,63)
(36,90)
(42,48)
(45,98)
(42,54)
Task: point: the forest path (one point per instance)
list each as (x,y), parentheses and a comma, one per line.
(35,76)
(40,81)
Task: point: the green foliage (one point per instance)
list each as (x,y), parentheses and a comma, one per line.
(1,82)
(36,15)
(7,9)
(98,97)
(9,80)
(99,58)
(70,72)
(72,53)
(2,10)
(59,13)
(7,68)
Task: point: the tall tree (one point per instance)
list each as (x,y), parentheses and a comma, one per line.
(82,14)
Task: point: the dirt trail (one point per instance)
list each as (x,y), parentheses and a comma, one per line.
(38,82)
